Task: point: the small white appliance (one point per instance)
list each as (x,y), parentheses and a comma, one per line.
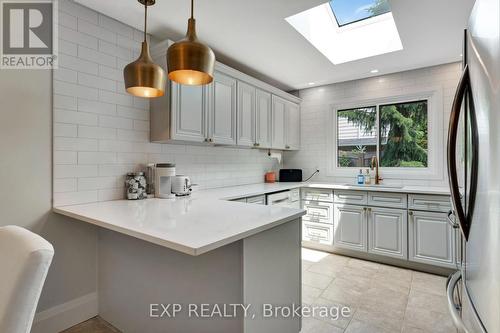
(290,198)
(163,180)
(181,185)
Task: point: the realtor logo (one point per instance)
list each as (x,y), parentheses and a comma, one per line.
(29,34)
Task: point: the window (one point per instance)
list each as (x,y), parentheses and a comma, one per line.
(350,11)
(396,133)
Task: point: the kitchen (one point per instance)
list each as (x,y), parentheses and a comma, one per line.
(251,177)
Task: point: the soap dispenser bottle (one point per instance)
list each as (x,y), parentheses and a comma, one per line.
(368,179)
(361,178)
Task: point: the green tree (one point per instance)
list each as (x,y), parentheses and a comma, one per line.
(379,7)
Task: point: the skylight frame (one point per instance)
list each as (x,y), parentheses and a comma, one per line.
(366,38)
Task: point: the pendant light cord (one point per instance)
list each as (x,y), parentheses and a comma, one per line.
(192,8)
(145,20)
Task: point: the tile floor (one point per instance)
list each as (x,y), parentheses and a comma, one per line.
(379,298)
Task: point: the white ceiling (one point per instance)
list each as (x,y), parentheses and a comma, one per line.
(253,36)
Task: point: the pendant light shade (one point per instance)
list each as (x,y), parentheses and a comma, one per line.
(190,61)
(144,78)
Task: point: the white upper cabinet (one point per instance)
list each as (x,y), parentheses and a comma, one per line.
(263,119)
(234,110)
(292,126)
(189,110)
(222,110)
(246,115)
(278,122)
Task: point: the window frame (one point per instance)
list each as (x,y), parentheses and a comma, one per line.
(436,161)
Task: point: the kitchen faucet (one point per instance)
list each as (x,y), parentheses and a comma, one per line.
(374,165)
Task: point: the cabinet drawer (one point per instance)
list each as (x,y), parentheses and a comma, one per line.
(317,194)
(436,203)
(350,197)
(318,211)
(259,200)
(318,233)
(382,199)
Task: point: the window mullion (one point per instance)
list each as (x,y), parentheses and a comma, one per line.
(378,132)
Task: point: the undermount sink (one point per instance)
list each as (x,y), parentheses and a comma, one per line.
(375,186)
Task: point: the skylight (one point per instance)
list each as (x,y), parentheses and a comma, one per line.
(350,11)
(360,39)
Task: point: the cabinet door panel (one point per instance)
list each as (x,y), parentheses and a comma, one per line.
(317,234)
(246,115)
(189,111)
(292,126)
(263,119)
(431,239)
(350,227)
(222,120)
(387,230)
(278,123)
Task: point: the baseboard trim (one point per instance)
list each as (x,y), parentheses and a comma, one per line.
(66,315)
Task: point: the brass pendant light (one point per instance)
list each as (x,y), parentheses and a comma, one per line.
(144,78)
(190,61)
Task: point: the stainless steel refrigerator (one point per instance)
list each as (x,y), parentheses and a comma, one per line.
(474,175)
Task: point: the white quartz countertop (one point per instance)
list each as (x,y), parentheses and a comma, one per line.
(206,220)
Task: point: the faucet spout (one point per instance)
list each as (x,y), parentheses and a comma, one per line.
(375,165)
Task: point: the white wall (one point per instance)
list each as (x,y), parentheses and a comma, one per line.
(26,198)
(317,102)
(101,132)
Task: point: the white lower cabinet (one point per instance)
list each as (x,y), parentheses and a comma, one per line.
(387,232)
(314,234)
(431,239)
(350,227)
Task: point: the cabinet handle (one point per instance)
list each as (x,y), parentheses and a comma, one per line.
(206,140)
(451,221)
(410,213)
(287,147)
(210,140)
(256,144)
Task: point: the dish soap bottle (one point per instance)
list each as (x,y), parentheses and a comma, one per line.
(368,179)
(361,178)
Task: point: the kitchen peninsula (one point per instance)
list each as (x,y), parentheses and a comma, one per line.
(195,250)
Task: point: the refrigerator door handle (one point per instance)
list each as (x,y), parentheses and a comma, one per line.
(452,154)
(455,309)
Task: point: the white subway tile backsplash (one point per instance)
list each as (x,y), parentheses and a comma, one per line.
(65,157)
(111,73)
(68,20)
(77,64)
(132,135)
(141,125)
(65,102)
(133,113)
(70,171)
(65,185)
(100,183)
(115,98)
(96,107)
(116,122)
(75,198)
(96,31)
(93,132)
(96,82)
(116,27)
(96,158)
(65,130)
(96,56)
(75,144)
(75,117)
(67,75)
(77,37)
(68,48)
